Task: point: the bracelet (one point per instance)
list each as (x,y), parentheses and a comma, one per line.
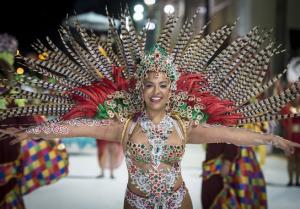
(88,122)
(49,129)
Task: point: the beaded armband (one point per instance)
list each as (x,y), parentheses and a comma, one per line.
(62,128)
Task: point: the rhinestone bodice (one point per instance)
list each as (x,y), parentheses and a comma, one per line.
(142,153)
(154,164)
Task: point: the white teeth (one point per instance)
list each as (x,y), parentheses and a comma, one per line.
(155,98)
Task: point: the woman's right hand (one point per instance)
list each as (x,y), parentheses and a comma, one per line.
(18,134)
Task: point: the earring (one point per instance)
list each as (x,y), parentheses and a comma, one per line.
(142,103)
(168,107)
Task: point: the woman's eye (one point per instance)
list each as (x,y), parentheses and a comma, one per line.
(164,85)
(147,85)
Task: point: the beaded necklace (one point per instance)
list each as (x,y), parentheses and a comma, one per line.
(157,136)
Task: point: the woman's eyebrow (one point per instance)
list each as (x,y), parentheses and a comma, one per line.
(161,82)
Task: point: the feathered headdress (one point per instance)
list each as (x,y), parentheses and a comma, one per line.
(101,79)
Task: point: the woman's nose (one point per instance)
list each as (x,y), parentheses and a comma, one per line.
(156,89)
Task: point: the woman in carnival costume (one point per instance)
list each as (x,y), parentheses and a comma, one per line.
(154,102)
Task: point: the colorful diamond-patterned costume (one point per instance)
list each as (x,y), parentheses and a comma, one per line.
(243,187)
(39,163)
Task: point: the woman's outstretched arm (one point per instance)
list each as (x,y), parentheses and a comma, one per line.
(101,129)
(200,134)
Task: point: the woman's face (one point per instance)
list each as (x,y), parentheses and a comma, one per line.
(156,91)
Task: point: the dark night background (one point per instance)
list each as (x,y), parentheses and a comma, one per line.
(29,20)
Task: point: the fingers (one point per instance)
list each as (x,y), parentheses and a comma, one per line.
(10,131)
(289,151)
(288,147)
(13,129)
(5,134)
(21,138)
(1,135)
(18,135)
(15,141)
(6,131)
(294,144)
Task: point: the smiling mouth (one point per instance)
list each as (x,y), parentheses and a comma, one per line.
(155,99)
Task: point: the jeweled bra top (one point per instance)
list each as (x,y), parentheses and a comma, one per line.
(142,153)
(155,181)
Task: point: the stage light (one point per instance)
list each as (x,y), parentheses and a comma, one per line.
(149,2)
(20,71)
(169,9)
(138,8)
(202,9)
(138,16)
(150,25)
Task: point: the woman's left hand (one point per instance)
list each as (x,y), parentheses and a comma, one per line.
(286,145)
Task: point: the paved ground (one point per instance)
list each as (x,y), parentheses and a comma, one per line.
(81,190)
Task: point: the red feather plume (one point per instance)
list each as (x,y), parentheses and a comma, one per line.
(219,111)
(95,94)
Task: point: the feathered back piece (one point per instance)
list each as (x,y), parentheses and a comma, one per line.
(88,77)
